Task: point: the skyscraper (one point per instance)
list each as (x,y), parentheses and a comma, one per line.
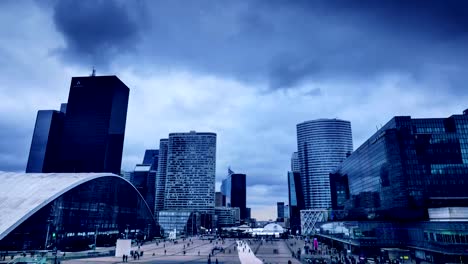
(94,125)
(296,201)
(226,187)
(45,143)
(295,167)
(143,178)
(220,199)
(151,158)
(322,145)
(161,175)
(239,193)
(280,210)
(88,134)
(190,173)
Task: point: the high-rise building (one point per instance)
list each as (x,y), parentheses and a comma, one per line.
(226,187)
(407,168)
(239,193)
(234,187)
(92,134)
(220,199)
(280,210)
(151,158)
(190,173)
(296,201)
(322,145)
(295,167)
(143,178)
(43,154)
(161,175)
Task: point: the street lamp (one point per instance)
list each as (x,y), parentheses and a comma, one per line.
(95,237)
(47,234)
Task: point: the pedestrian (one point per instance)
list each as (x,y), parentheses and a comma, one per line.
(164,252)
(123,258)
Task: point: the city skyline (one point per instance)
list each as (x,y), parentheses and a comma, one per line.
(364,65)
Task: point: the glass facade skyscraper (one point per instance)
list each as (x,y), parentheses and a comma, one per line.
(408,166)
(151,158)
(45,143)
(295,167)
(190,173)
(239,193)
(322,145)
(161,175)
(296,201)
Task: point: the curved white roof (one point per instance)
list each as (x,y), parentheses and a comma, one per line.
(23,194)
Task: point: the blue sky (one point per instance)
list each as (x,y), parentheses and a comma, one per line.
(247,70)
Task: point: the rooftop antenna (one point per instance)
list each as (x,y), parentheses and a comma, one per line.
(93,74)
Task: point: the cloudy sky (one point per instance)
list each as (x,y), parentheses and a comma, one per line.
(247,70)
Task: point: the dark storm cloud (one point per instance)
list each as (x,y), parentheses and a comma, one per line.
(281,42)
(97,31)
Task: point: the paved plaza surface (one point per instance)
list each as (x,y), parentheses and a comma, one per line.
(189,251)
(245,251)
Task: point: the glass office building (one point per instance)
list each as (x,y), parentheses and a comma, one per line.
(408,166)
(45,144)
(143,178)
(69,211)
(151,158)
(295,167)
(322,145)
(296,201)
(161,176)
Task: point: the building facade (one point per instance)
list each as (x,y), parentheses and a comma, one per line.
(296,201)
(92,133)
(190,174)
(410,165)
(227,216)
(45,144)
(239,193)
(295,166)
(143,178)
(151,158)
(322,145)
(280,210)
(220,199)
(161,175)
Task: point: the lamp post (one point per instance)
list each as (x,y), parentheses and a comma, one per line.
(47,234)
(95,237)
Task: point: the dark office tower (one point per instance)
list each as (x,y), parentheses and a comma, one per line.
(151,158)
(45,142)
(280,210)
(161,175)
(94,126)
(239,193)
(220,199)
(143,178)
(322,145)
(63,108)
(296,201)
